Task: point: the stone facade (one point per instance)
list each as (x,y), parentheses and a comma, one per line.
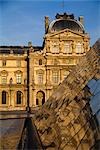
(65,43)
(13,80)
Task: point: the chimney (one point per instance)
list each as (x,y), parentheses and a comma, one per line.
(81,19)
(46,23)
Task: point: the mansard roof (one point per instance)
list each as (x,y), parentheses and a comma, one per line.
(17,49)
(65,21)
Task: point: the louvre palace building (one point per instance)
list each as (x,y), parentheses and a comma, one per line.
(29,74)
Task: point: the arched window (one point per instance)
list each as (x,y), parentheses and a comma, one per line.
(4,97)
(40,61)
(40,98)
(19,97)
(37,102)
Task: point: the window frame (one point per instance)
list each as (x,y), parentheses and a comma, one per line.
(40,78)
(79,48)
(67,50)
(19,97)
(55,77)
(18,78)
(4,98)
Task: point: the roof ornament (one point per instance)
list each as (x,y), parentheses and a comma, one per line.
(64,16)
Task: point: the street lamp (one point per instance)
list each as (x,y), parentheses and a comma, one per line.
(10,83)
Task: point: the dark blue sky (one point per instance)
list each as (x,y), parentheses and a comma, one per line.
(22,21)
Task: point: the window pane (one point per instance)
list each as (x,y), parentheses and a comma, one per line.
(4,95)
(55,77)
(19,97)
(79,48)
(4,79)
(67,48)
(55,48)
(18,78)
(40,78)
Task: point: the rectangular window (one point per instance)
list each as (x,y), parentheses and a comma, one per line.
(18,78)
(4,79)
(79,48)
(55,77)
(67,48)
(55,48)
(40,78)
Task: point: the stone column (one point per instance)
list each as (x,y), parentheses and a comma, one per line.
(73,47)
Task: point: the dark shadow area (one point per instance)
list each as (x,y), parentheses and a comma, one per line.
(30,139)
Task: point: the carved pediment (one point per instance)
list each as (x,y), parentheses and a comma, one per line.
(65,33)
(3,72)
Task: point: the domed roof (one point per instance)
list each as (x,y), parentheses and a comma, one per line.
(66,22)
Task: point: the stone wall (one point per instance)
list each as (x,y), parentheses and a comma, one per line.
(65,121)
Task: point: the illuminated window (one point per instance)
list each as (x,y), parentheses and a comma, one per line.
(18,78)
(55,48)
(4,79)
(79,48)
(67,48)
(4,97)
(19,97)
(4,75)
(55,77)
(4,63)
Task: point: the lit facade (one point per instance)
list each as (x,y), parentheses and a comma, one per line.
(65,42)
